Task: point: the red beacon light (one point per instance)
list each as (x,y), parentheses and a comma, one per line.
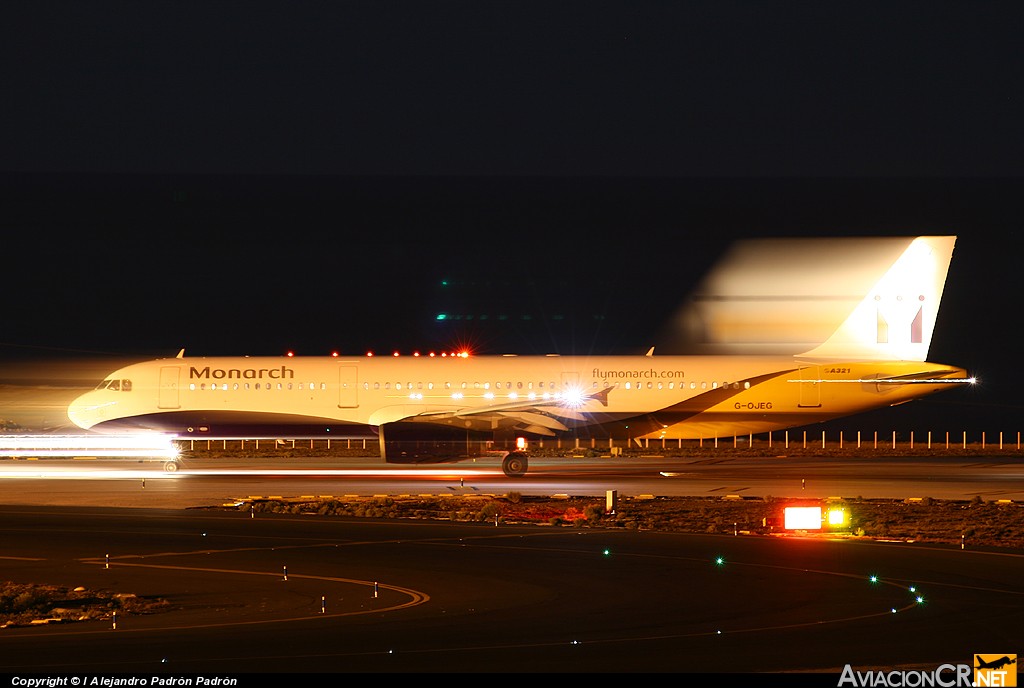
(369,354)
(334,354)
(395,354)
(290,354)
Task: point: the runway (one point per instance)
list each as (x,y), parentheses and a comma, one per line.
(213,481)
(290,594)
(274,593)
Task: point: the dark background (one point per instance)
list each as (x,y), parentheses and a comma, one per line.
(258,177)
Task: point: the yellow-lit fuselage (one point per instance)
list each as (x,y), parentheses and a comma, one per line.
(686,397)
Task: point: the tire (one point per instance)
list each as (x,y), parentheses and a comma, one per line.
(514,465)
(171,466)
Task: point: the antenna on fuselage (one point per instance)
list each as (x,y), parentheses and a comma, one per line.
(650,352)
(181,354)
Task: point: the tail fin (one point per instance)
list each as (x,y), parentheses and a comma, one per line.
(895,320)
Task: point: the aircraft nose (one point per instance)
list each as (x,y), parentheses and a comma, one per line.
(82,413)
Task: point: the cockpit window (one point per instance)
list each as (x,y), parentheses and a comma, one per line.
(116,385)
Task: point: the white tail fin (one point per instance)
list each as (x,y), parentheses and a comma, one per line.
(896,318)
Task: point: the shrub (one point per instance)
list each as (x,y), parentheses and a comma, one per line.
(490,511)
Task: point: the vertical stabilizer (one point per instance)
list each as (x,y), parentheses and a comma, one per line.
(896,318)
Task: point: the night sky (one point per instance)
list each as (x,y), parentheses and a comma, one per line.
(257,177)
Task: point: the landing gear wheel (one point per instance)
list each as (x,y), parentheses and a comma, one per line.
(514,465)
(171,466)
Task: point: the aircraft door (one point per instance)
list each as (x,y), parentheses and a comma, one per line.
(810,388)
(348,387)
(168,390)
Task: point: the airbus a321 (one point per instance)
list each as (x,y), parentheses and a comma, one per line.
(875,358)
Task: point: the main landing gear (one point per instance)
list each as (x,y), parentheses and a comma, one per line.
(514,464)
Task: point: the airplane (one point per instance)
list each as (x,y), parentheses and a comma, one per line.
(995,663)
(876,357)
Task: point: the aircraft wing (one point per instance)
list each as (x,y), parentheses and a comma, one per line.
(537,415)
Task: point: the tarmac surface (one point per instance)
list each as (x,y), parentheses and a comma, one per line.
(271,593)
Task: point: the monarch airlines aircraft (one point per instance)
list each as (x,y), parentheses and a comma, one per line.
(874,358)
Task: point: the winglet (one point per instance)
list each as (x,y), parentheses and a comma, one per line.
(601,396)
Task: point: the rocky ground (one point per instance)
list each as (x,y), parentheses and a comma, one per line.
(976,523)
(27,604)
